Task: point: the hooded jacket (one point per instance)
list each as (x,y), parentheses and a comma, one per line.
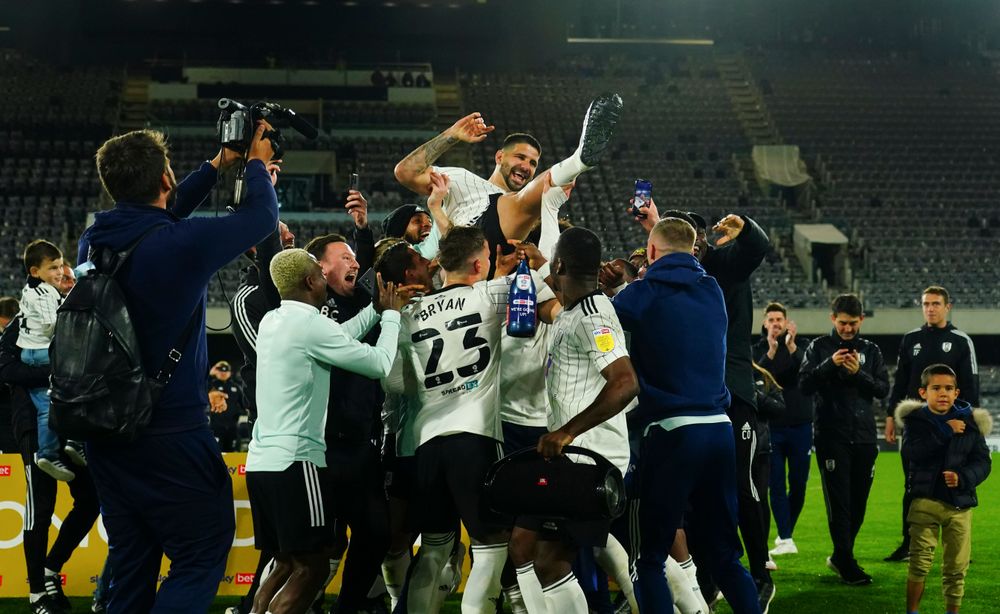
(676,317)
(844,411)
(930,447)
(928,345)
(16,378)
(732,265)
(166,279)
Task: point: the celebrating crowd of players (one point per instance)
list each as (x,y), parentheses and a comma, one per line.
(381,406)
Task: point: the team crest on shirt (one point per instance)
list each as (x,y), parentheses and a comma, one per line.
(604,339)
(916,349)
(831,464)
(946,346)
(861,359)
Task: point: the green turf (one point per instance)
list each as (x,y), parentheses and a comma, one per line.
(805,586)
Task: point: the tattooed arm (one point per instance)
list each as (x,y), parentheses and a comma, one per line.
(414,171)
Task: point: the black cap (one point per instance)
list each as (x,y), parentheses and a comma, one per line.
(688,216)
(394,225)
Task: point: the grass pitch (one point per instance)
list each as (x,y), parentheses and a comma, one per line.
(804,584)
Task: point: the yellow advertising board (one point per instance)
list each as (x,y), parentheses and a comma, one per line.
(81,572)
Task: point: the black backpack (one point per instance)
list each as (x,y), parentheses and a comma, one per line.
(99,390)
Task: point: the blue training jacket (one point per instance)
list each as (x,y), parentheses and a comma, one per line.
(166,279)
(676,317)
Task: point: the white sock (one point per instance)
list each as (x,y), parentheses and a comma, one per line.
(394,568)
(566,596)
(264,573)
(516,600)
(451,575)
(33,597)
(551,201)
(613,559)
(435,548)
(49,572)
(691,572)
(565,171)
(483,586)
(378,588)
(531,589)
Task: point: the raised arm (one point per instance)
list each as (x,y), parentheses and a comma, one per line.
(333,346)
(414,170)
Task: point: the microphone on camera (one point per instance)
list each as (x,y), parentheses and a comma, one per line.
(301,126)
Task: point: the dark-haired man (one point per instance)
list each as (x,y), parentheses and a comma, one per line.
(847,374)
(168,492)
(448,370)
(780,351)
(936,342)
(508,204)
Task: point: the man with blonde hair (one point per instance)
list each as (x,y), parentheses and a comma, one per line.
(287,479)
(688,451)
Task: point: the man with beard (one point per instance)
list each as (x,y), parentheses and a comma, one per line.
(421,228)
(737,253)
(780,351)
(353,425)
(168,491)
(509,204)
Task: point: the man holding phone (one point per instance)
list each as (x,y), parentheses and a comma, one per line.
(846,373)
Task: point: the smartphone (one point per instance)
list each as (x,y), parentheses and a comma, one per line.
(643,194)
(846,345)
(368,282)
(353,185)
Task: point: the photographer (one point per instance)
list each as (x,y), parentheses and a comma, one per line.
(168,491)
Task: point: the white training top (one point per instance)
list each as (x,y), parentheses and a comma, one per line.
(468,195)
(39,302)
(296,347)
(448,359)
(586,338)
(522,378)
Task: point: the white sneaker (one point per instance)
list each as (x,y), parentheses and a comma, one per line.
(783,546)
(55,468)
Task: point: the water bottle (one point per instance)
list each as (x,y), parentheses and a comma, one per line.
(522,311)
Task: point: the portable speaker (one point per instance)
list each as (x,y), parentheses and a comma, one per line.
(526,484)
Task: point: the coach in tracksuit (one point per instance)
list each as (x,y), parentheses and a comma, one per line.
(688,451)
(847,374)
(936,342)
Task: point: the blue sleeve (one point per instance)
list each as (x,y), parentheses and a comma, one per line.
(194,190)
(204,245)
(626,307)
(83,248)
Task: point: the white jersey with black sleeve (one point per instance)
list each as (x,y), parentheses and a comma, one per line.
(468,195)
(586,338)
(449,359)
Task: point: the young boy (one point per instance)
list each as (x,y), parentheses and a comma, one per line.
(39,301)
(945,455)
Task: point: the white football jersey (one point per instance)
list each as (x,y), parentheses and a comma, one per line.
(522,378)
(586,338)
(449,359)
(468,195)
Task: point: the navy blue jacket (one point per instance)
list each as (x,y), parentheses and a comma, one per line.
(930,447)
(166,279)
(676,317)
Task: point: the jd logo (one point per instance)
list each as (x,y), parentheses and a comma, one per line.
(831,464)
(746,432)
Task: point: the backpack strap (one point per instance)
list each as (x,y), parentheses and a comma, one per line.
(110,261)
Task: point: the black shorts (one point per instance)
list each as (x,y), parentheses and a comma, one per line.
(518,436)
(489,223)
(579,533)
(292,509)
(400,476)
(449,485)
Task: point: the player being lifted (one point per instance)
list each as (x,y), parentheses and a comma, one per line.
(448,368)
(508,204)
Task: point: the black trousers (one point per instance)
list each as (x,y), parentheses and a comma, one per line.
(752,473)
(907,500)
(847,471)
(40,502)
(356,472)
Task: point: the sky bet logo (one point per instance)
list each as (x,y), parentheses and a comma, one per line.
(244,578)
(4,471)
(238,470)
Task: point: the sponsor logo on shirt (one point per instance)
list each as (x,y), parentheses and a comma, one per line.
(604,339)
(470,385)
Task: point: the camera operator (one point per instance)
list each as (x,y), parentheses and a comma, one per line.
(169,491)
